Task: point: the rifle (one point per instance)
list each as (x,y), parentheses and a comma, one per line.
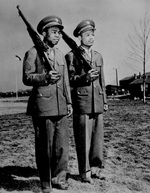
(39,44)
(78,51)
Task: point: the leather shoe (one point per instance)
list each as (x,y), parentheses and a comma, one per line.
(95,172)
(61,185)
(98,175)
(88,180)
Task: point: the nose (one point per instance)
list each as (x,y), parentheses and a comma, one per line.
(92,37)
(57,34)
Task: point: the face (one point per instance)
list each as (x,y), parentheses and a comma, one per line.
(52,35)
(87,38)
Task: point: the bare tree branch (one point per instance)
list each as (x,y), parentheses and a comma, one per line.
(132,66)
(139,50)
(138,44)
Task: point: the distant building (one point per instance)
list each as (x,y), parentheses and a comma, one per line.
(113,90)
(125,82)
(134,85)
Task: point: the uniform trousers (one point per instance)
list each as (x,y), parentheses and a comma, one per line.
(89,139)
(51,149)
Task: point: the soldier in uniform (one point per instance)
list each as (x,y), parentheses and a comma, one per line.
(49,105)
(89,103)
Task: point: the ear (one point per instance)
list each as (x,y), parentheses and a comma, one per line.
(44,34)
(79,37)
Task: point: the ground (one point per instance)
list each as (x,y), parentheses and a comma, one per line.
(126,151)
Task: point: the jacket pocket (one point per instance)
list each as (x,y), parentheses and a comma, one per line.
(61,64)
(82,92)
(43,92)
(98,63)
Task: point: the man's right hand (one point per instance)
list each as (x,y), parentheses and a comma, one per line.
(92,74)
(53,77)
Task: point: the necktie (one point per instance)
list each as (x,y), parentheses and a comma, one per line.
(89,53)
(51,53)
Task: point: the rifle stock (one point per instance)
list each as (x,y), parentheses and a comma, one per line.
(78,51)
(39,44)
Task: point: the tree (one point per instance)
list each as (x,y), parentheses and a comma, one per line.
(139,50)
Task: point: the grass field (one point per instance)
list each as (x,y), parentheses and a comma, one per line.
(126,151)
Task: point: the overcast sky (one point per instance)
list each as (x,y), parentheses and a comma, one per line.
(114,20)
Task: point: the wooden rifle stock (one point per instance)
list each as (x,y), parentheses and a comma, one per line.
(39,44)
(78,51)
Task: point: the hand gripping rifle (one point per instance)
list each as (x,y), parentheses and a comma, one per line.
(39,44)
(78,51)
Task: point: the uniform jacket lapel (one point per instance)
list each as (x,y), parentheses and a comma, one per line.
(58,60)
(86,56)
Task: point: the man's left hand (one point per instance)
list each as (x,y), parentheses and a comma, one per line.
(69,109)
(105,107)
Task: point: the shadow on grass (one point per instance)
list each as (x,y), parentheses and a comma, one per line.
(19,179)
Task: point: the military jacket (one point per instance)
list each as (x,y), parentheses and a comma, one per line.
(46,99)
(87,97)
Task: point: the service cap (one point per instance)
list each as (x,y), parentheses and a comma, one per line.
(49,21)
(84,26)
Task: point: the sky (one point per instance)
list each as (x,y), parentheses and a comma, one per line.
(114,20)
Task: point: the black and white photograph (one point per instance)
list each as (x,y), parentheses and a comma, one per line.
(74,96)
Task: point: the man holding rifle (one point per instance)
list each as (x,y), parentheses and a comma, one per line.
(49,105)
(89,102)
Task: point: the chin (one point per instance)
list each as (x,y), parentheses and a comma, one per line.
(90,44)
(55,42)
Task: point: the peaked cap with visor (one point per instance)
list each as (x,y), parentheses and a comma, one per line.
(49,21)
(84,26)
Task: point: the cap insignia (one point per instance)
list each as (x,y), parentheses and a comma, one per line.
(88,23)
(56,20)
